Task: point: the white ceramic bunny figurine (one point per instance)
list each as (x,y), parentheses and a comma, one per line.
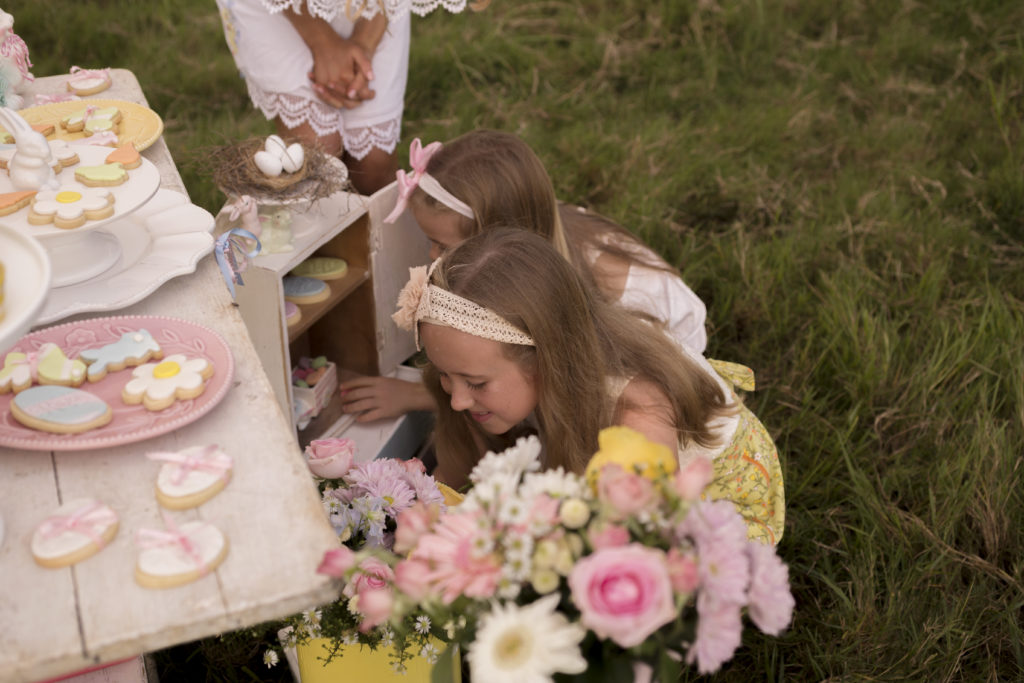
(31,167)
(14,64)
(246,208)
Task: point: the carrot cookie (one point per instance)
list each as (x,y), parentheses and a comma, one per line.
(126,155)
(48,365)
(178,555)
(84,82)
(304,290)
(158,385)
(92,120)
(191,477)
(321,268)
(133,348)
(75,531)
(14,201)
(60,410)
(103,175)
(71,206)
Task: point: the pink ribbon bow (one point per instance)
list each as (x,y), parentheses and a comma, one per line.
(419,157)
(80,74)
(219,463)
(89,521)
(31,359)
(172,536)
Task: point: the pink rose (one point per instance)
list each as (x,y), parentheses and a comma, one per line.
(682,571)
(330,458)
(373,574)
(336,562)
(608,536)
(412,523)
(375,606)
(414,466)
(691,481)
(411,577)
(624,593)
(625,492)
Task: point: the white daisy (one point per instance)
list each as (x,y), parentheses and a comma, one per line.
(429,652)
(556,483)
(523,457)
(270,658)
(523,644)
(422,624)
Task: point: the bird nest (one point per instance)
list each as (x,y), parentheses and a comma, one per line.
(236,174)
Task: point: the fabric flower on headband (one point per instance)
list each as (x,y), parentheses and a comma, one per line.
(409,298)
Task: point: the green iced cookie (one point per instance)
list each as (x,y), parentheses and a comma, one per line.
(322,268)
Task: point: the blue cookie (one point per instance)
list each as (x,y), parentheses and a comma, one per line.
(304,290)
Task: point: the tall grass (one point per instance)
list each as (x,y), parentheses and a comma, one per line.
(841,182)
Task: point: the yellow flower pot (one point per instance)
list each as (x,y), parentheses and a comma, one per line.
(360,663)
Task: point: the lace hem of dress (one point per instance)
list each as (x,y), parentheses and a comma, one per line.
(294,111)
(394,9)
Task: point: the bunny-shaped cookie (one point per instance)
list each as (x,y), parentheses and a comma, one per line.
(31,167)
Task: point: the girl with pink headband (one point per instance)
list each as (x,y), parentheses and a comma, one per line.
(485,178)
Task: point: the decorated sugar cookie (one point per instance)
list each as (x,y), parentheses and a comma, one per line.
(108,138)
(48,365)
(126,155)
(14,201)
(133,348)
(63,154)
(60,410)
(158,385)
(292,313)
(322,268)
(191,477)
(102,175)
(304,290)
(178,555)
(92,119)
(71,206)
(84,82)
(75,531)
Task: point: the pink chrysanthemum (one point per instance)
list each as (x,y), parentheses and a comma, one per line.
(770,602)
(719,629)
(455,568)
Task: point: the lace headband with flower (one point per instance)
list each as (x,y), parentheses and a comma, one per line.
(421,301)
(419,157)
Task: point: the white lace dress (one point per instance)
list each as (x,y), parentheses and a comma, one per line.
(274,61)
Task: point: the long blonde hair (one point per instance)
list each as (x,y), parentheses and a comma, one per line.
(581,342)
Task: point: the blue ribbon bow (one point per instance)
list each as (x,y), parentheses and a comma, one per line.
(232,265)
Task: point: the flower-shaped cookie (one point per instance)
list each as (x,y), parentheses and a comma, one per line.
(158,385)
(71,206)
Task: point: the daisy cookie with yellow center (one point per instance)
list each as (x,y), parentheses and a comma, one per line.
(178,555)
(75,531)
(102,175)
(157,385)
(191,477)
(71,206)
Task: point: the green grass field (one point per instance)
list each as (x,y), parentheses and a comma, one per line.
(842,182)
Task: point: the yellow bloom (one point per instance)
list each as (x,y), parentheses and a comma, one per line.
(630,450)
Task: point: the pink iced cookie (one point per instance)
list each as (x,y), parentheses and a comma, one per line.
(158,385)
(191,477)
(75,531)
(178,555)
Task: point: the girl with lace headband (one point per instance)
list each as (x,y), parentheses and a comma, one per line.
(331,72)
(486,178)
(516,341)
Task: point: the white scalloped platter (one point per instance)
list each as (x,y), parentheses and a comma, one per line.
(25,286)
(142,183)
(164,239)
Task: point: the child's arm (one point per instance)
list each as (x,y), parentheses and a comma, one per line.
(375,398)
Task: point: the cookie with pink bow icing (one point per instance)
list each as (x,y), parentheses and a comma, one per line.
(48,365)
(75,531)
(176,554)
(191,477)
(158,385)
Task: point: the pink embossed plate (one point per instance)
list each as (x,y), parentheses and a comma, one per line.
(130,423)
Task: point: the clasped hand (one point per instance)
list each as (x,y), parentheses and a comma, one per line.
(341,73)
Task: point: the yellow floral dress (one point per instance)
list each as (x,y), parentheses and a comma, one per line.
(747,470)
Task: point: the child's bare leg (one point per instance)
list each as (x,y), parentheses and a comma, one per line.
(373,171)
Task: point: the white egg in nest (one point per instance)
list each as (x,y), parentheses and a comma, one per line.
(291,160)
(268,163)
(275,145)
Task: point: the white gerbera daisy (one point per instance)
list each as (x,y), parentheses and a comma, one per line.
(526,644)
(523,457)
(556,483)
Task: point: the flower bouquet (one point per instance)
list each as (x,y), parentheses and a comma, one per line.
(362,502)
(621,573)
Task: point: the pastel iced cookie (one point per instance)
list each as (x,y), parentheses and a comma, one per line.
(178,555)
(192,476)
(101,175)
(321,268)
(71,206)
(61,410)
(126,155)
(75,531)
(14,201)
(292,313)
(83,82)
(158,385)
(133,348)
(92,120)
(304,290)
(48,365)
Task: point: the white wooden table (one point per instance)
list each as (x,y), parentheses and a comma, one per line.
(58,620)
